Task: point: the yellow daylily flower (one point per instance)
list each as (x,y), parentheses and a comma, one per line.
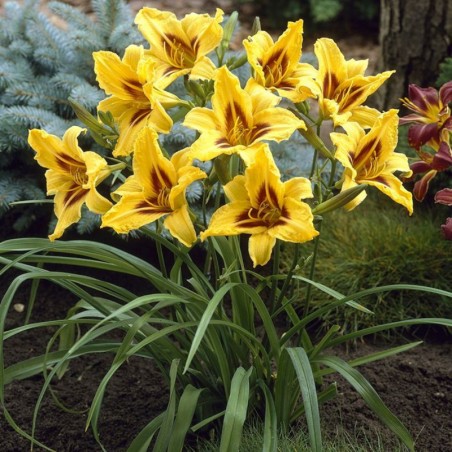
(370,159)
(72,175)
(277,65)
(180,47)
(344,87)
(263,206)
(137,98)
(155,190)
(240,119)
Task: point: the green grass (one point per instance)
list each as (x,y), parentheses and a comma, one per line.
(377,244)
(358,440)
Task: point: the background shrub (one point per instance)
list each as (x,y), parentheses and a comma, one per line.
(379,244)
(319,14)
(42,65)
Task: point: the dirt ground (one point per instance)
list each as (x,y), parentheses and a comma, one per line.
(415,385)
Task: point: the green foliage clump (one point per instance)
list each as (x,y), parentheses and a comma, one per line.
(445,72)
(42,65)
(377,244)
(350,12)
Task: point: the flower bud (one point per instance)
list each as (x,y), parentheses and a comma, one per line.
(340,200)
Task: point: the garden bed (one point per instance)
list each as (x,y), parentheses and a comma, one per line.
(415,385)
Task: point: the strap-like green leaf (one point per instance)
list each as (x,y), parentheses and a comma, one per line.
(184,416)
(143,439)
(236,409)
(270,443)
(303,369)
(368,393)
(204,322)
(165,431)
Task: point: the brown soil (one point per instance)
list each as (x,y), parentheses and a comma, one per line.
(415,386)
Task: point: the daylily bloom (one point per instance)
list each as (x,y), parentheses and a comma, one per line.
(72,175)
(263,206)
(429,166)
(180,47)
(370,159)
(447,229)
(155,190)
(240,119)
(277,65)
(432,116)
(444,196)
(137,97)
(344,87)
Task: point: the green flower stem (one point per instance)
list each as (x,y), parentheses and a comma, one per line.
(236,242)
(275,271)
(314,163)
(332,173)
(289,282)
(160,256)
(312,268)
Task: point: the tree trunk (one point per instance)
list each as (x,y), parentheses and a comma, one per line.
(415,37)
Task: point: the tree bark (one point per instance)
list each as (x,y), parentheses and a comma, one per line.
(415,37)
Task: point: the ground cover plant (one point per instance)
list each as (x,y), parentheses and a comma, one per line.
(219,320)
(378,245)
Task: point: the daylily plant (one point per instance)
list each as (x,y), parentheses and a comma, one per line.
(180,47)
(72,176)
(240,122)
(240,118)
(137,96)
(277,66)
(207,315)
(429,135)
(155,190)
(344,87)
(264,207)
(431,121)
(370,158)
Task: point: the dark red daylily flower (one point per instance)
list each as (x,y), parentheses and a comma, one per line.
(447,229)
(444,196)
(432,118)
(429,166)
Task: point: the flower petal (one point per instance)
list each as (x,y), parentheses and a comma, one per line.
(260,247)
(203,31)
(391,186)
(54,153)
(447,229)
(233,219)
(130,213)
(298,188)
(117,77)
(151,168)
(230,102)
(332,66)
(180,226)
(263,181)
(68,206)
(235,190)
(421,186)
(442,160)
(297,223)
(275,124)
(201,119)
(444,196)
